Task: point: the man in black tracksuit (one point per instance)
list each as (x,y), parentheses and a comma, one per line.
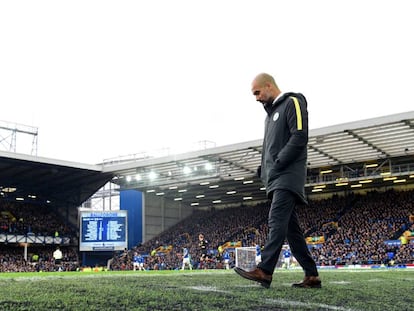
(283,172)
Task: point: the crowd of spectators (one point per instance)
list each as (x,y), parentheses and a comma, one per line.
(354,228)
(362,231)
(38,258)
(18,219)
(218,227)
(22,218)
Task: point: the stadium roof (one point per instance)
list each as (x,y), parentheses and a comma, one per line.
(226,174)
(41,180)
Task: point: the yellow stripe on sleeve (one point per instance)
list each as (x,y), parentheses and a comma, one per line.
(298,113)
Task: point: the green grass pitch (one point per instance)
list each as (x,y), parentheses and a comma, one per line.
(381,289)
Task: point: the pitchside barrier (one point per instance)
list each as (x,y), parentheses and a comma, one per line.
(33,239)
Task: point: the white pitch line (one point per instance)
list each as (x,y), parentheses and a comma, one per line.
(280,302)
(292,303)
(209,289)
(340,282)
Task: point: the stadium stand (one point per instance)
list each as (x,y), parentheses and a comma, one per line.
(20,222)
(22,218)
(370,224)
(356,229)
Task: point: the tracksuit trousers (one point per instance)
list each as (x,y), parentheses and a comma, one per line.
(284,224)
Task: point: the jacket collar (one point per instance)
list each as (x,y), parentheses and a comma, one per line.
(270,107)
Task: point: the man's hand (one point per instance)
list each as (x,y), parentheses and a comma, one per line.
(259,171)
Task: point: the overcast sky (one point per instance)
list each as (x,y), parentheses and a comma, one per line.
(101,79)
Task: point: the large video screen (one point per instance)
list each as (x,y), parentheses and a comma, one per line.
(103,231)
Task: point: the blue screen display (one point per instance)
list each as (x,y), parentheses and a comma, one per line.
(103,231)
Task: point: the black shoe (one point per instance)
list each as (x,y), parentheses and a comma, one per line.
(309,282)
(256,275)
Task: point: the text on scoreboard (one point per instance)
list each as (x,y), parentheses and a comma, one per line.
(103,231)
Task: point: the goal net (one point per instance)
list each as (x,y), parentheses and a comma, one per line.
(246,258)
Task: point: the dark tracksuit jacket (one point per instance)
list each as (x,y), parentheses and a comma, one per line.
(284,154)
